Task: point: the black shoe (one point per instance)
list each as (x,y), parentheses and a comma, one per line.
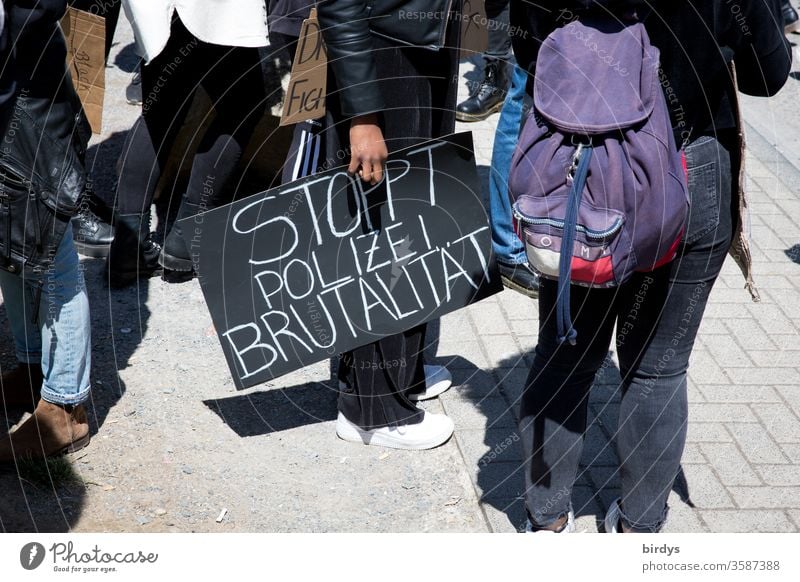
(133,92)
(92,236)
(133,253)
(489,96)
(520,278)
(791,22)
(175,255)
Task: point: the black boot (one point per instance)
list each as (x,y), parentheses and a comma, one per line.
(175,255)
(791,22)
(489,96)
(92,236)
(133,253)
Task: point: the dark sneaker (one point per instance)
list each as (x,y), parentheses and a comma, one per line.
(521,278)
(133,92)
(92,236)
(791,22)
(489,96)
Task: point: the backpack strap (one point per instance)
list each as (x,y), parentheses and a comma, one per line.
(580,165)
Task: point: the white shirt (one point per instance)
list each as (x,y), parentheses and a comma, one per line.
(222,22)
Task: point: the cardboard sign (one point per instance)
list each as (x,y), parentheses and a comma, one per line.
(322,265)
(86,45)
(305,95)
(474,28)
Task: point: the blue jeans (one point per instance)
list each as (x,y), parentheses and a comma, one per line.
(507,246)
(61,338)
(657,316)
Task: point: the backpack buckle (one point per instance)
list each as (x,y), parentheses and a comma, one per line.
(581,142)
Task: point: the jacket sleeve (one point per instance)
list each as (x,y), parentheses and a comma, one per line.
(345,28)
(762,54)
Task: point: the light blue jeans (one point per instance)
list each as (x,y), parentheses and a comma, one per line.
(507,247)
(61,338)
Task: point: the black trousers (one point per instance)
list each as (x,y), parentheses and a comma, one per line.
(419,89)
(233,80)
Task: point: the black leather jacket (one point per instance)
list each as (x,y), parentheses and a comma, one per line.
(43,136)
(347,26)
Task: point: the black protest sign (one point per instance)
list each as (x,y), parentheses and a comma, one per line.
(303,272)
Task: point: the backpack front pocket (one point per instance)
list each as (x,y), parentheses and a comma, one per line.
(540,224)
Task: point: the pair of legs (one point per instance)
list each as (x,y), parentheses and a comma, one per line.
(657,316)
(232,78)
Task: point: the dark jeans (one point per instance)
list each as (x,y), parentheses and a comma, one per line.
(231,76)
(657,315)
(499,30)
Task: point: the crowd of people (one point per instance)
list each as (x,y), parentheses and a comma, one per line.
(389,88)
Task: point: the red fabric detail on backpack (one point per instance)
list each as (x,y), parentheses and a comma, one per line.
(685,166)
(668,257)
(594,272)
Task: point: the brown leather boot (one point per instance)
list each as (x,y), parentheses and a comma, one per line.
(21,387)
(54,429)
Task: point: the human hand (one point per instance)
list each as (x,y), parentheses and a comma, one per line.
(367,148)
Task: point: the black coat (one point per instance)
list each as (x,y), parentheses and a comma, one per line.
(347,26)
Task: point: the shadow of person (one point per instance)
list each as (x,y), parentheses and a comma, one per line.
(500,476)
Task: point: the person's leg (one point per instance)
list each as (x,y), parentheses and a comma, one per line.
(233,80)
(376,379)
(509,250)
(554,402)
(488,94)
(655,337)
(168,92)
(59,422)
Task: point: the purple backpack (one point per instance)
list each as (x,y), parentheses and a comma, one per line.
(598,185)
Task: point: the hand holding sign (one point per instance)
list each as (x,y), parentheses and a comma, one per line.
(367,148)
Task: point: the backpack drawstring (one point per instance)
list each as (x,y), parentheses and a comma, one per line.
(566,332)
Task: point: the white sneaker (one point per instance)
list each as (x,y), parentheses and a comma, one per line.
(437,381)
(612,517)
(569,527)
(434,430)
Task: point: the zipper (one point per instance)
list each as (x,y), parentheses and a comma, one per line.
(598,235)
(12,177)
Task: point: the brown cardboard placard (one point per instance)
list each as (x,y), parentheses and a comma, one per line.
(474,28)
(86,44)
(305,95)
